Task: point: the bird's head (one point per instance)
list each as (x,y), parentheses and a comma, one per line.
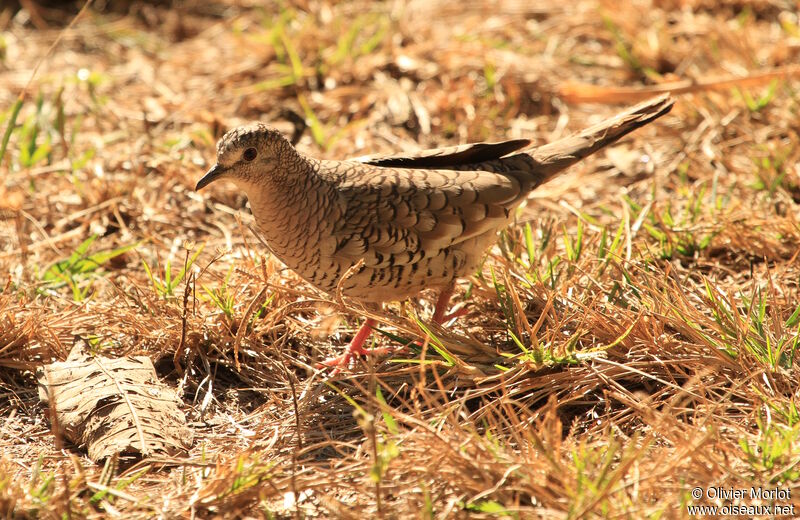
(247,155)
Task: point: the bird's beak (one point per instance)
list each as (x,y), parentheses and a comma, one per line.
(211,175)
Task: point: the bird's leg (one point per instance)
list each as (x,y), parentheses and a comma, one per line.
(356,348)
(441,304)
(439,315)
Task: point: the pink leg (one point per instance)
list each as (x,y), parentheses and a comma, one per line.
(439,315)
(356,348)
(441,304)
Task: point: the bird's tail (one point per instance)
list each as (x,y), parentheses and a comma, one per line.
(555,157)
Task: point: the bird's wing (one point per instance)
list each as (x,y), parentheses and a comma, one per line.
(448,157)
(395,216)
(394,210)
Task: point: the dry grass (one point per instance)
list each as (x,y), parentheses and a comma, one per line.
(632,337)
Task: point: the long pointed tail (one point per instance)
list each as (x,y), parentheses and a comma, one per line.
(555,157)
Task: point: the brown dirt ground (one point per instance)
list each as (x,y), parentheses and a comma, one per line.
(656,312)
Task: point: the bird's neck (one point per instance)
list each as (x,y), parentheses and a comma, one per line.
(284,206)
(276,191)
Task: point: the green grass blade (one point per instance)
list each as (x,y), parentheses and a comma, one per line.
(12,121)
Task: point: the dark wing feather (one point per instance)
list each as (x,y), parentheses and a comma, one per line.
(449,157)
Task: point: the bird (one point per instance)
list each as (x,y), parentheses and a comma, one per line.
(385,228)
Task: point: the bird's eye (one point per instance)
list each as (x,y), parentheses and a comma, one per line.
(250,154)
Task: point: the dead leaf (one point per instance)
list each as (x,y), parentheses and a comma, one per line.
(114,406)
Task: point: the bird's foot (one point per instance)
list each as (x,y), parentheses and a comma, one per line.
(463,311)
(356,349)
(342,362)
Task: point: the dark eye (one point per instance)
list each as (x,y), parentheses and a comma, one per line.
(250,154)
